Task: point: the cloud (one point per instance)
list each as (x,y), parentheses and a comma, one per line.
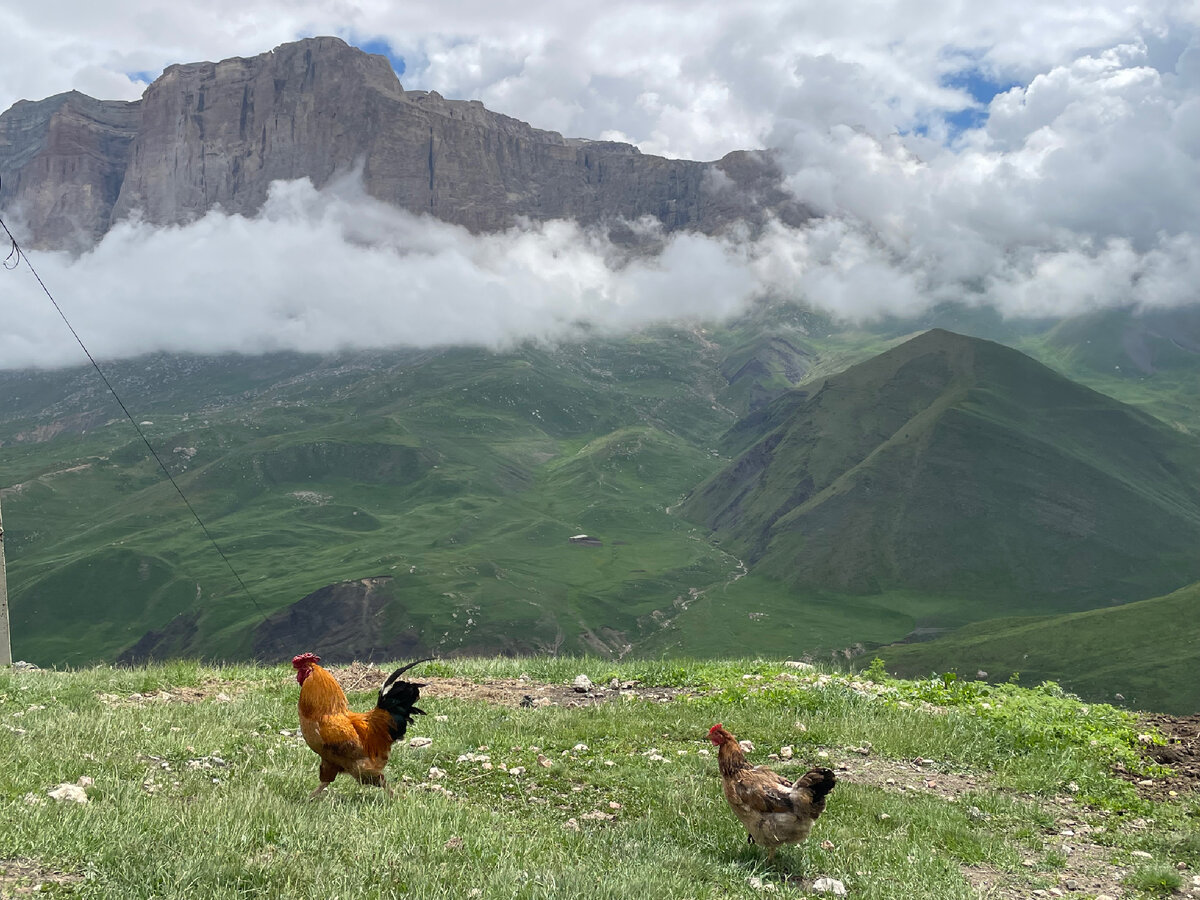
(319,271)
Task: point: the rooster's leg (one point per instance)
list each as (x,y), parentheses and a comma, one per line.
(313,795)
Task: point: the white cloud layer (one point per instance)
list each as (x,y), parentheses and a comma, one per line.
(1079,187)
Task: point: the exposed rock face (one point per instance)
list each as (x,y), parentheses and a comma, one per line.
(207,134)
(345,620)
(62,163)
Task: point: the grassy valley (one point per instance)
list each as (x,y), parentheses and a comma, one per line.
(778,483)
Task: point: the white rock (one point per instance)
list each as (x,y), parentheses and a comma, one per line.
(829,886)
(436,774)
(580,748)
(441,718)
(69,793)
(747,746)
(796,664)
(582,684)
(787,752)
(419,742)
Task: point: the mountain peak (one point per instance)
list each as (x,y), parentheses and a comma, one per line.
(951,461)
(208,135)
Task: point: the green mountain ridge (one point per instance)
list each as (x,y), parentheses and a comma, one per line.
(954,464)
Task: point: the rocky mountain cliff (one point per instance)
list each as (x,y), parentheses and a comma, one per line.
(208,134)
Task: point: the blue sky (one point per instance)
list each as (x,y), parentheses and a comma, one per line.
(982,88)
(382,47)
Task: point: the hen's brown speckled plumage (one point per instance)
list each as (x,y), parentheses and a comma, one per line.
(774,810)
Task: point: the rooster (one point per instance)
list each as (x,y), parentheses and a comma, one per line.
(774,810)
(355,743)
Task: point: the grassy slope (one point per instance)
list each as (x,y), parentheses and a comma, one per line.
(1146,651)
(157,825)
(959,467)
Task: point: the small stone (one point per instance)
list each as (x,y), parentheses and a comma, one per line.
(826,845)
(455,843)
(747,746)
(883,817)
(571,825)
(787,752)
(441,718)
(829,886)
(436,774)
(800,726)
(797,664)
(582,684)
(418,742)
(1141,854)
(517,770)
(1181,866)
(544,761)
(85,781)
(69,793)
(580,748)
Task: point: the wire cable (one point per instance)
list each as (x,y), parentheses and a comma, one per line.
(14,259)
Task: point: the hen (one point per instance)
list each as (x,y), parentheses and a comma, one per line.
(355,743)
(774,810)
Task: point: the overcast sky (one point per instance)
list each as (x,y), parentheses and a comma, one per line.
(1039,157)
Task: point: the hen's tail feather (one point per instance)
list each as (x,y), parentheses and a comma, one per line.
(399,698)
(819,782)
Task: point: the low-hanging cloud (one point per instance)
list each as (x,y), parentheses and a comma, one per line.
(319,271)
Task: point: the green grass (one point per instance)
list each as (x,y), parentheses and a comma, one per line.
(157,825)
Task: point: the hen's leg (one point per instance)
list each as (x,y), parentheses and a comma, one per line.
(328,773)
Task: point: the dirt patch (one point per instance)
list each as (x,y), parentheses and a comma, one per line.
(218,691)
(21,877)
(507,691)
(1181,752)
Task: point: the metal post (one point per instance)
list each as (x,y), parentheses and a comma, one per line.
(5,639)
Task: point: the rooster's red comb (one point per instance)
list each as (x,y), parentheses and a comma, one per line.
(305,659)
